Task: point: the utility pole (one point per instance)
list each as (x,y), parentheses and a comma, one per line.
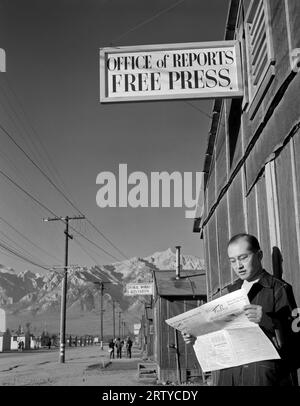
(120,324)
(114,327)
(101,315)
(64,284)
(101,284)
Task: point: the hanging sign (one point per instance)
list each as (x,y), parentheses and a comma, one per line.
(174,71)
(136,289)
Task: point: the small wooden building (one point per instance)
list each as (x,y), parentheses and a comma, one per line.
(142,334)
(149,331)
(171,297)
(146,332)
(5,338)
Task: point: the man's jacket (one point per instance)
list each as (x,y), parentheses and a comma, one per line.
(277,300)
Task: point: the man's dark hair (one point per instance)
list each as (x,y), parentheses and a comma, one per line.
(253,241)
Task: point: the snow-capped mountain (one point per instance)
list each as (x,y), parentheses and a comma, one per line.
(13,286)
(30,297)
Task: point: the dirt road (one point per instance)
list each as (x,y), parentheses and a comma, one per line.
(85,366)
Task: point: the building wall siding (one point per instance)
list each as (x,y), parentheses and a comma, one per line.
(252,212)
(277,129)
(221,169)
(267,135)
(225,271)
(213,256)
(164,355)
(288,226)
(237,220)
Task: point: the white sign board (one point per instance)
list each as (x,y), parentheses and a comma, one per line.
(2,321)
(171,71)
(136,328)
(136,289)
(2,60)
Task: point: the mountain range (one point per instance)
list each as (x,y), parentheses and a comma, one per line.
(32,299)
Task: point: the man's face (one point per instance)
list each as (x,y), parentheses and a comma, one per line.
(245,263)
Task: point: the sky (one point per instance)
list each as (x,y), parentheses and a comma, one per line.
(50,111)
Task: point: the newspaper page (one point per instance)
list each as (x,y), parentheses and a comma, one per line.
(225,336)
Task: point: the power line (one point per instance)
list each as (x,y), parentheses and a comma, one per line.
(21,250)
(43,149)
(54,169)
(148,20)
(37,201)
(23,182)
(23,257)
(113,245)
(27,239)
(37,166)
(26,193)
(63,194)
(13,167)
(198,109)
(15,121)
(85,251)
(35,146)
(9,255)
(139,25)
(57,188)
(63,313)
(201,111)
(93,243)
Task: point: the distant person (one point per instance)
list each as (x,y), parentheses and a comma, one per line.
(111,346)
(119,345)
(49,343)
(128,347)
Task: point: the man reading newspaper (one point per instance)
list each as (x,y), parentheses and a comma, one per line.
(271,304)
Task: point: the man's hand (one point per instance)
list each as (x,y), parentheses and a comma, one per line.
(188,338)
(254,313)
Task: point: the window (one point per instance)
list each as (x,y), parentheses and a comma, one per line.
(260,55)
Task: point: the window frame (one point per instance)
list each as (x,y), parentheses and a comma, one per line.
(256,92)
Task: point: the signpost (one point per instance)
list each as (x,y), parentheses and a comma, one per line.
(137,289)
(172,71)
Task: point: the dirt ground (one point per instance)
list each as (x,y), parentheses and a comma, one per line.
(86,366)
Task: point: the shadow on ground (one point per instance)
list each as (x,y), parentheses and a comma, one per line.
(116,365)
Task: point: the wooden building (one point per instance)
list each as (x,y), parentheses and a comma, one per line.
(142,334)
(149,330)
(146,333)
(5,341)
(252,164)
(171,297)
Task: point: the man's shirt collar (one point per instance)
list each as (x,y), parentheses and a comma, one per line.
(265,280)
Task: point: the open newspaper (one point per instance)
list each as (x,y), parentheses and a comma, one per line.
(225,336)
